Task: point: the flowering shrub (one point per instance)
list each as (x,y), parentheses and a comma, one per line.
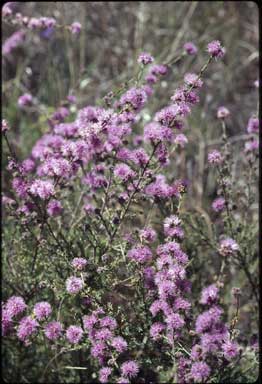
(99,294)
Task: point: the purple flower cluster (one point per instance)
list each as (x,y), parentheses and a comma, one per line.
(215,49)
(228,247)
(172,227)
(42,310)
(74,284)
(101,334)
(145,58)
(141,254)
(171,285)
(74,334)
(190,48)
(25,100)
(218,204)
(16,39)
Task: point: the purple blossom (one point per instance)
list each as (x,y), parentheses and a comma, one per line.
(193,80)
(158,70)
(75,28)
(148,234)
(207,319)
(251,146)
(103,334)
(196,352)
(190,48)
(27,326)
(74,334)
(42,188)
(109,322)
(175,321)
(215,49)
(218,204)
(98,349)
(136,97)
(200,371)
(181,140)
(145,58)
(253,125)
(89,321)
(230,350)
(42,310)
(79,263)
(54,208)
(209,295)
(129,369)
(25,100)
(222,113)
(155,132)
(124,172)
(170,225)
(119,344)
(74,284)
(228,247)
(12,42)
(156,329)
(141,254)
(15,305)
(104,374)
(53,330)
(215,157)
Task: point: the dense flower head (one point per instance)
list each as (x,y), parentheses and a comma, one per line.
(175,321)
(251,146)
(228,247)
(171,224)
(190,48)
(230,350)
(215,49)
(181,140)
(74,284)
(54,208)
(218,204)
(15,305)
(109,322)
(193,80)
(209,295)
(155,132)
(103,334)
(124,172)
(156,329)
(215,157)
(42,310)
(253,125)
(119,344)
(136,97)
(16,39)
(79,263)
(129,369)
(222,113)
(200,371)
(159,70)
(148,234)
(27,326)
(141,254)
(25,100)
(53,330)
(145,58)
(42,188)
(206,320)
(89,321)
(75,28)
(98,349)
(104,374)
(74,334)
